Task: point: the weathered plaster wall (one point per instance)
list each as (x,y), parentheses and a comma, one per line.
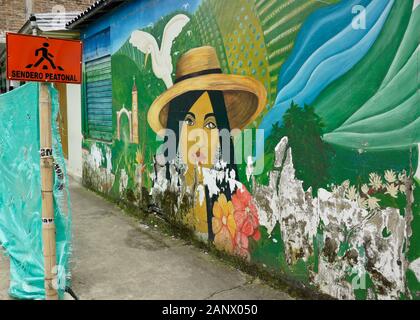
(331,198)
(74,118)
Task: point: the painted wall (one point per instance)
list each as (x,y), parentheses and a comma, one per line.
(317,181)
(75,137)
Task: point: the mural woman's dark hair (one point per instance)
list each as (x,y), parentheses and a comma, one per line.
(178,109)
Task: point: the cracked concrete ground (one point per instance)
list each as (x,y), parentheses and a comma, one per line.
(116,257)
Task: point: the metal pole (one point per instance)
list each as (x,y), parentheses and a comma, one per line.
(34,26)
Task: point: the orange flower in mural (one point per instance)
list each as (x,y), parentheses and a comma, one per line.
(246,217)
(223,224)
(241,245)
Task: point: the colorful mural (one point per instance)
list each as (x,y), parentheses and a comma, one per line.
(285,132)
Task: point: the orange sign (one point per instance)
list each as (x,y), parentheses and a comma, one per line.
(31,58)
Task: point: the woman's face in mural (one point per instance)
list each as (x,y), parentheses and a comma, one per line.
(199,134)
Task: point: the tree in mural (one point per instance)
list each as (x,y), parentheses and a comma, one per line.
(311,155)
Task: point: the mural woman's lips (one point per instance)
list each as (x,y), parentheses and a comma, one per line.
(199,157)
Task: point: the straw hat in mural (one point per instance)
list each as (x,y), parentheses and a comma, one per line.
(199,69)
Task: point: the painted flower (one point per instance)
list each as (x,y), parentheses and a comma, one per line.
(375,181)
(373,203)
(362,202)
(241,245)
(402,188)
(139,157)
(223,224)
(390,176)
(346,184)
(351,193)
(402,177)
(246,214)
(392,190)
(365,189)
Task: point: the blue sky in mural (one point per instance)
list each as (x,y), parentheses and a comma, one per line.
(316,62)
(137,17)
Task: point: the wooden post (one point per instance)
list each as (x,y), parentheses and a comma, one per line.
(47,164)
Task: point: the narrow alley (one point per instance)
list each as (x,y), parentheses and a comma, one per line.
(117,257)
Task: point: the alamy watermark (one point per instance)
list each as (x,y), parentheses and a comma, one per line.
(198,147)
(359,20)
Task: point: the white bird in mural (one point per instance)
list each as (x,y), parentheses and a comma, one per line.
(161,58)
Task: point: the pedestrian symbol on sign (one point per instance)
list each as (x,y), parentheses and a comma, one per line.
(45,56)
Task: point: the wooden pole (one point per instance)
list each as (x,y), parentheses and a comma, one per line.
(47,163)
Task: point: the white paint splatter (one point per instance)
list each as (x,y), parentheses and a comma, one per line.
(299,215)
(123,181)
(417,175)
(201,194)
(249,167)
(415,267)
(108,160)
(331,280)
(210,180)
(280,151)
(95,157)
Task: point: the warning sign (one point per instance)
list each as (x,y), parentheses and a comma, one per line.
(31,58)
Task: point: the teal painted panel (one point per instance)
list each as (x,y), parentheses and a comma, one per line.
(99,98)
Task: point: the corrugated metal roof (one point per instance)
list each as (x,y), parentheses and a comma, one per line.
(54,21)
(50,21)
(97,9)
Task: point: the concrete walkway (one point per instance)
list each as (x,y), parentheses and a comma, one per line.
(116,257)
(4,276)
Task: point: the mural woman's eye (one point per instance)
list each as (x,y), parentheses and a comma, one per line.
(189,122)
(210,125)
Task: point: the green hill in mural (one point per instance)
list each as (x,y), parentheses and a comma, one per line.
(409,44)
(281,22)
(391,118)
(346,95)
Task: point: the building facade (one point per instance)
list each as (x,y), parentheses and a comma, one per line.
(318,179)
(14,13)
(52,17)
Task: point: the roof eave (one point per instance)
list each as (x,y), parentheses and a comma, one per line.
(42,30)
(91,12)
(26,28)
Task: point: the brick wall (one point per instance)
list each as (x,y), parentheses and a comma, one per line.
(14,13)
(48,5)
